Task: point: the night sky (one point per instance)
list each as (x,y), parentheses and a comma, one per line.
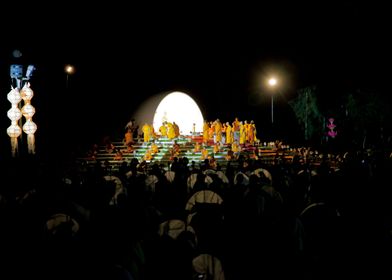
(220,55)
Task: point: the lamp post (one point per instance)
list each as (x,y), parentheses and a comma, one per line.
(69,70)
(272,83)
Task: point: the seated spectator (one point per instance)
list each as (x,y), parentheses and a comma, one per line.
(147,156)
(230,154)
(175,150)
(118,155)
(154,148)
(196,148)
(110,148)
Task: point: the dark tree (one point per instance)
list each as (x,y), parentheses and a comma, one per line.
(306,109)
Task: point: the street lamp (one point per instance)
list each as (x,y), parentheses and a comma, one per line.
(69,69)
(272,83)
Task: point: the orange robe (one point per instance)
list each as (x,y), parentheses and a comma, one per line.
(206,129)
(146,132)
(171,134)
(163,130)
(218,132)
(242,134)
(229,134)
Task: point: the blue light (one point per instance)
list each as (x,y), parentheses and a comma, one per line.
(16,71)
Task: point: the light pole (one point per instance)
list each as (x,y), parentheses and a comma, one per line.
(69,69)
(272,82)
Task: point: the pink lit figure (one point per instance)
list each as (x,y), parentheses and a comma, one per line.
(331,126)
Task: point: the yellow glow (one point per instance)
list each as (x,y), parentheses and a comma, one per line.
(69,69)
(272,82)
(180,108)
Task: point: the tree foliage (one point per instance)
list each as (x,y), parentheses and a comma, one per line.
(366,110)
(367,113)
(306,109)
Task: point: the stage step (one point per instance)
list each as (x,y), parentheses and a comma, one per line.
(163,156)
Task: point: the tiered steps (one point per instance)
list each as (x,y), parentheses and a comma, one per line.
(162,157)
(267,154)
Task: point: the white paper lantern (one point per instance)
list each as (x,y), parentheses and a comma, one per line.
(28,111)
(29,127)
(14,114)
(26,92)
(14,130)
(14,96)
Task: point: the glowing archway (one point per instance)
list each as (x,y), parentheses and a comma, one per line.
(180,108)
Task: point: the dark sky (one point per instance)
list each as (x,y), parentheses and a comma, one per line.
(220,55)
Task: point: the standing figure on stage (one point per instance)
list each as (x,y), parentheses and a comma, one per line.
(146,132)
(236,130)
(218,131)
(242,134)
(246,126)
(251,133)
(176,130)
(229,134)
(256,140)
(223,142)
(163,130)
(171,134)
(128,137)
(206,129)
(153,135)
(211,131)
(133,127)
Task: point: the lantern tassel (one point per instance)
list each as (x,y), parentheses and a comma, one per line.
(14,145)
(31,143)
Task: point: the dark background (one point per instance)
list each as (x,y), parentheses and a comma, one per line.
(220,55)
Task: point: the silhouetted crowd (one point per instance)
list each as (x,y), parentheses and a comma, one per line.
(247,220)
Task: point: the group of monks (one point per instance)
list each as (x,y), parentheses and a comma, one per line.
(226,133)
(233,135)
(215,131)
(168,129)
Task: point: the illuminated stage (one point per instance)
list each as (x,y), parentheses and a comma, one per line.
(171,107)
